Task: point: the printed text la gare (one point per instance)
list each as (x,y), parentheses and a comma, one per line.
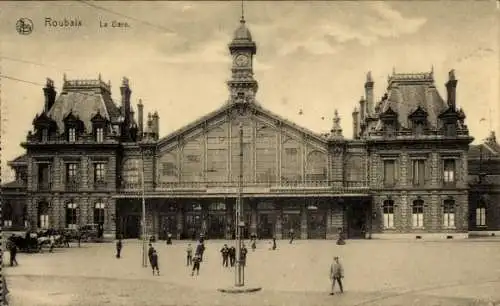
(113,24)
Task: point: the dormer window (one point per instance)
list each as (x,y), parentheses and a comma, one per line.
(99,134)
(418,120)
(450,129)
(71,134)
(44,135)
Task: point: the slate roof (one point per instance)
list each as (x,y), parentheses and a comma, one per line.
(407,92)
(84,98)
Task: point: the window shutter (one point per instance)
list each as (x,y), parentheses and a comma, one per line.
(49,174)
(410,172)
(458,168)
(421,172)
(440,171)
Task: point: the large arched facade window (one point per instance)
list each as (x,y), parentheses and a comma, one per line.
(71,215)
(418,214)
(388,212)
(43,215)
(99,212)
(449,213)
(481,213)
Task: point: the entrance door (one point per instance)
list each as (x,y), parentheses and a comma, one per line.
(291,221)
(316,224)
(356,221)
(216,225)
(192,226)
(265,225)
(130,226)
(168,224)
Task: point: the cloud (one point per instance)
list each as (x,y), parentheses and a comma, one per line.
(325,34)
(393,24)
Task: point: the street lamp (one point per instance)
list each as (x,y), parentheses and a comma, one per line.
(143,218)
(239,286)
(240,281)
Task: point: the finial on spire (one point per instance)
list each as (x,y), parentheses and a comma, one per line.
(336,131)
(369,77)
(393,70)
(100,79)
(64,77)
(451,75)
(242,20)
(140,101)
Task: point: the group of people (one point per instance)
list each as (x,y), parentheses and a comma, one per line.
(229,255)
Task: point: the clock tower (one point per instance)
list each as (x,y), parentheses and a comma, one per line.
(242,86)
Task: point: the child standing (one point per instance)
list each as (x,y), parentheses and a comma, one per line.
(154,262)
(196,264)
(189,254)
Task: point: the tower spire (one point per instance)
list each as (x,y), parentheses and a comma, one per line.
(242,20)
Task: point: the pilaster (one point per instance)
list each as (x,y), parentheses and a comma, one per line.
(110,217)
(253,223)
(85,210)
(180,222)
(303,220)
(278,227)
(84,172)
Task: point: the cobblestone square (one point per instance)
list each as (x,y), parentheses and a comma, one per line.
(465,272)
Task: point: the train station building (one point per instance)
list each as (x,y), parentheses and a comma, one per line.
(403,172)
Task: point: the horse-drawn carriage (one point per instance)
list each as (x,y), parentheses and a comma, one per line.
(30,242)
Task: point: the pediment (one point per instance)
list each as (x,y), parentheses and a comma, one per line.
(241,112)
(419,113)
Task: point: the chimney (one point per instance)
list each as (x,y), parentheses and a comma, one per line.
(156,124)
(355,123)
(149,123)
(50,95)
(126,92)
(369,94)
(140,117)
(451,88)
(362,110)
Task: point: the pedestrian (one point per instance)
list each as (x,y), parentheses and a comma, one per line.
(154,262)
(118,247)
(150,253)
(189,254)
(341,239)
(292,235)
(336,274)
(225,254)
(52,241)
(232,255)
(200,249)
(13,254)
(274,243)
(196,264)
(254,244)
(169,238)
(243,255)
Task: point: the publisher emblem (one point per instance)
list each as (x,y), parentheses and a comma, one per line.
(24,26)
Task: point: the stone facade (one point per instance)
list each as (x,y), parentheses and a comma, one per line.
(405,172)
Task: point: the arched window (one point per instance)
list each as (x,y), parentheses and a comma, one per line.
(43,215)
(388,213)
(449,213)
(99,213)
(418,213)
(481,213)
(71,215)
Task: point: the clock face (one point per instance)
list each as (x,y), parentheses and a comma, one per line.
(241,60)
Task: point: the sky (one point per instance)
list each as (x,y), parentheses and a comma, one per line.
(311,56)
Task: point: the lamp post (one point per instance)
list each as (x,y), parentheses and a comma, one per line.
(239,285)
(143,219)
(240,281)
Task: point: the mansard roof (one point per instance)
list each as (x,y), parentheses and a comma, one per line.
(406,92)
(84,98)
(250,106)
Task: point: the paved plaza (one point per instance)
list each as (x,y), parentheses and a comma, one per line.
(454,273)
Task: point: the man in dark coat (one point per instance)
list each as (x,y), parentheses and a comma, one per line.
(200,249)
(243,255)
(150,253)
(232,256)
(225,254)
(118,247)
